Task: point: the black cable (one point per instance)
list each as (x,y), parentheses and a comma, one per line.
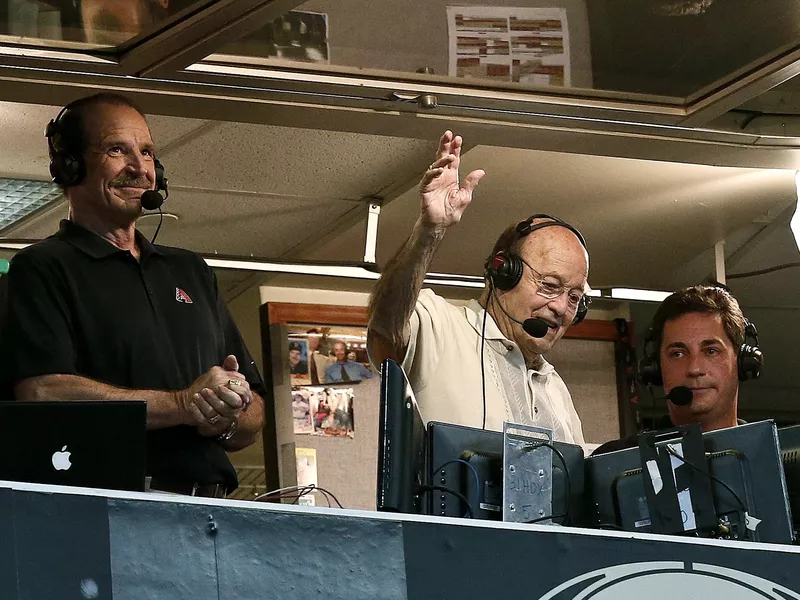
(671,451)
(441,488)
(567,483)
(474,473)
(335,499)
(544,518)
(483,345)
(763,271)
(160,221)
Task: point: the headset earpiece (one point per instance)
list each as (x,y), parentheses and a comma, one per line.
(161,179)
(750,359)
(505,270)
(66,168)
(583,308)
(649,366)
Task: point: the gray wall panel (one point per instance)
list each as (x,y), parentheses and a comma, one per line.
(272,555)
(161,550)
(61,546)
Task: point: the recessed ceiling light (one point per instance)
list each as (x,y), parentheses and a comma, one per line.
(21,197)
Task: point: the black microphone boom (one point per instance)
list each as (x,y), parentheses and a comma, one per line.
(151,200)
(533,327)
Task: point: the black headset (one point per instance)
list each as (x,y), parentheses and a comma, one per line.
(505,268)
(67,166)
(749,359)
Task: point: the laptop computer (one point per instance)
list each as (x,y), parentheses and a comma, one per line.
(87,444)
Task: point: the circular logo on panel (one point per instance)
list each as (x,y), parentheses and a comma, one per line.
(666,580)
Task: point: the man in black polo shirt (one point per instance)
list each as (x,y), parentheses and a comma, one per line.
(96,312)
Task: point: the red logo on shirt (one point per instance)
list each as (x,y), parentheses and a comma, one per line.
(182,296)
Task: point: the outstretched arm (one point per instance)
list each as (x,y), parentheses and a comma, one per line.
(442,202)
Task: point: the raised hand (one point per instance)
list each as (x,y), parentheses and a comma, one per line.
(443,198)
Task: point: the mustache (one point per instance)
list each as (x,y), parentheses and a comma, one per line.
(140,182)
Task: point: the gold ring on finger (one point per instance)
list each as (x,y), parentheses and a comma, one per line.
(234,382)
(213,420)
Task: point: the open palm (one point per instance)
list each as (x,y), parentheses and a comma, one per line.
(443,198)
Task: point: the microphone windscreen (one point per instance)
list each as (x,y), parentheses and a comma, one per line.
(535,327)
(680,395)
(151,200)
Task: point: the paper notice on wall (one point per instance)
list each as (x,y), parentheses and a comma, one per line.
(506,44)
(306,466)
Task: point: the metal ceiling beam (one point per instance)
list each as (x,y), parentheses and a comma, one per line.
(704,107)
(583,134)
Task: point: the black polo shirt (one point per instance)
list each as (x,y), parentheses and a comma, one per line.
(79,305)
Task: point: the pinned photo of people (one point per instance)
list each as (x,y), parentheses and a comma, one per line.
(301,410)
(319,355)
(330,411)
(298,362)
(346,366)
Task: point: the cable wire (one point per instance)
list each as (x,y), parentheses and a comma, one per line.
(672,451)
(291,488)
(160,221)
(302,490)
(544,518)
(483,345)
(441,488)
(763,271)
(474,472)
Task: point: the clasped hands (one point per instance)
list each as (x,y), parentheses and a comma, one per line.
(215,400)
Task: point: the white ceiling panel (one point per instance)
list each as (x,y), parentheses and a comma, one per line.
(213,222)
(300,162)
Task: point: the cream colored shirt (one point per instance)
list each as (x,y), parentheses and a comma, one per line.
(443,365)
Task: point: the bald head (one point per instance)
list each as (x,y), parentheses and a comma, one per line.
(558,241)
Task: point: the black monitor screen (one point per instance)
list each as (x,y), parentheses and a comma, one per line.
(401,443)
(469,462)
(746,475)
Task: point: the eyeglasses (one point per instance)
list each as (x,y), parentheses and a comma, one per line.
(551,291)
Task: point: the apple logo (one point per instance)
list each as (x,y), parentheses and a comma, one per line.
(61,460)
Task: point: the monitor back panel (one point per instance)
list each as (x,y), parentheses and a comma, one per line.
(88,444)
(746,458)
(484,451)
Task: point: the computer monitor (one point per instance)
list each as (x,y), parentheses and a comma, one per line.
(469,462)
(744,464)
(789,439)
(401,443)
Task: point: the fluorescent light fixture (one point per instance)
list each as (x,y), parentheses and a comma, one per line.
(21,197)
(636,294)
(795,223)
(296,269)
